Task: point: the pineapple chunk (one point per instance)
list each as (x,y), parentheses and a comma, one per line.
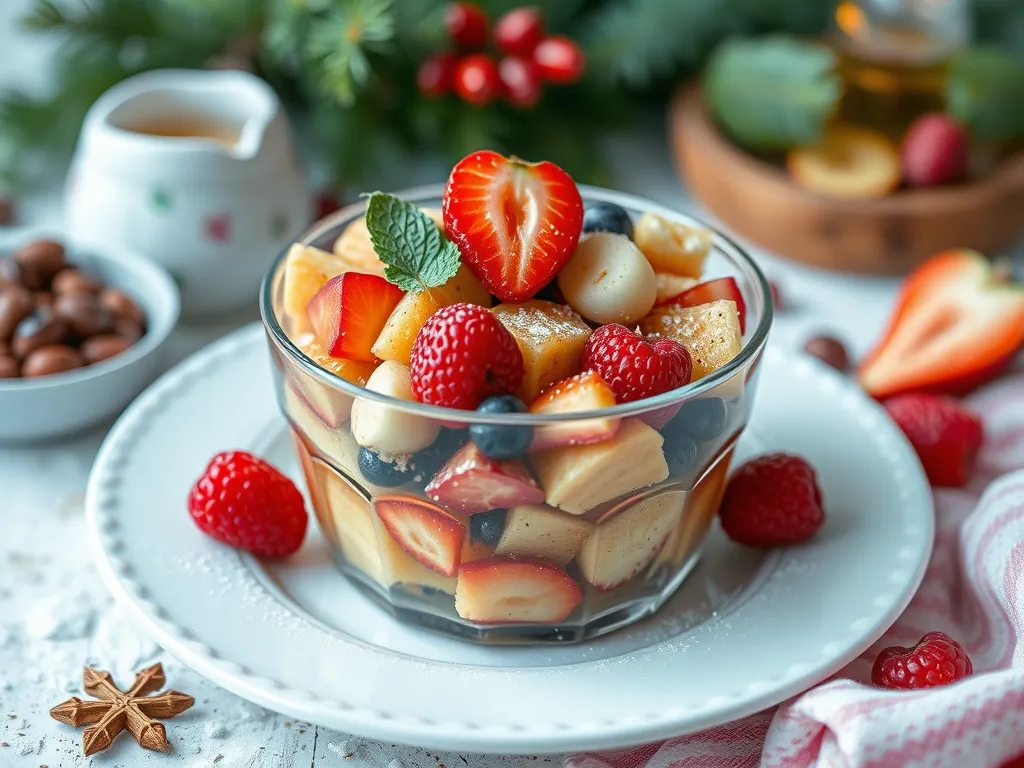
(332,405)
(353,522)
(671,246)
(550,336)
(396,339)
(580,477)
(306,269)
(670,286)
(402,568)
(538,531)
(710,332)
(355,248)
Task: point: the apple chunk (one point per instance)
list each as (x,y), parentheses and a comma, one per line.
(583,392)
(501,590)
(540,532)
(710,332)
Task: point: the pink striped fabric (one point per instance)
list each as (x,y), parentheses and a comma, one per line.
(973,590)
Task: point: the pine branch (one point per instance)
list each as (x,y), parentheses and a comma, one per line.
(340,44)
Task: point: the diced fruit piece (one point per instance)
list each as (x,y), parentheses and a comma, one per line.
(503,591)
(629,539)
(607,217)
(399,333)
(383,469)
(945,435)
(353,246)
(772,501)
(636,368)
(551,338)
(402,568)
(830,351)
(670,286)
(352,521)
(332,405)
(385,428)
(559,59)
(424,530)
(957,324)
(710,332)
(476,549)
(477,80)
(349,312)
(486,527)
(467,25)
(608,280)
(515,223)
(583,392)
(712,290)
(539,532)
(671,246)
(578,478)
(937,659)
(471,483)
(849,162)
(934,151)
(518,31)
(306,269)
(461,355)
(502,441)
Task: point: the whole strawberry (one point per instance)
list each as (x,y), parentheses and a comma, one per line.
(946,436)
(635,367)
(937,659)
(772,501)
(462,355)
(934,151)
(242,501)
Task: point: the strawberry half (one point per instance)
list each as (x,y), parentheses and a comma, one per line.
(712,290)
(504,591)
(425,531)
(515,223)
(349,313)
(957,324)
(471,482)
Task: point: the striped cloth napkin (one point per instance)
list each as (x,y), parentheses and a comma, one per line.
(973,590)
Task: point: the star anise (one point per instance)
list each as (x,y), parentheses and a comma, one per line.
(132,710)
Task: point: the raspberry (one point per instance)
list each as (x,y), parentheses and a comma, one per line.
(772,501)
(937,659)
(242,501)
(635,367)
(946,436)
(462,355)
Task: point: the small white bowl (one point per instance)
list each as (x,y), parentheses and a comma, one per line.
(65,403)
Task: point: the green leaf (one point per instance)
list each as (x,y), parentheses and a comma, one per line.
(418,256)
(774,93)
(985,92)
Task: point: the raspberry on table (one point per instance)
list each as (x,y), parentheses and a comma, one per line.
(945,435)
(634,367)
(462,355)
(937,659)
(772,501)
(244,502)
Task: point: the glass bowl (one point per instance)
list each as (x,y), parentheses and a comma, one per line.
(572,542)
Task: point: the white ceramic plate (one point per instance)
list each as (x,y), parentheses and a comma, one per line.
(745,631)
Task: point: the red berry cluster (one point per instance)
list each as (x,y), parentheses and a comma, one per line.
(528,58)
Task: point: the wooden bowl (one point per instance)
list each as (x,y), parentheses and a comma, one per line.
(886,235)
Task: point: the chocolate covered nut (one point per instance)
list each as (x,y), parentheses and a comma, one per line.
(83,313)
(9,271)
(129,329)
(830,351)
(121,305)
(54,358)
(42,260)
(15,305)
(104,346)
(72,280)
(40,329)
(43,298)
(9,368)
(5,349)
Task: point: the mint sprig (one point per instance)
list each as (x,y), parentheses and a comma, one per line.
(415,251)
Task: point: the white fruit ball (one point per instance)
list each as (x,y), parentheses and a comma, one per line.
(385,429)
(608,280)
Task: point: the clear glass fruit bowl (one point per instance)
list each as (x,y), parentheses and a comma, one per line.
(570,543)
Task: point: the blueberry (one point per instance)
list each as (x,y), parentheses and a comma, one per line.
(380,471)
(425,463)
(500,441)
(680,453)
(702,419)
(487,526)
(607,217)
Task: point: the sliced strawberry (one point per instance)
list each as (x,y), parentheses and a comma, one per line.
(500,590)
(425,531)
(350,311)
(516,223)
(583,392)
(957,324)
(470,483)
(712,290)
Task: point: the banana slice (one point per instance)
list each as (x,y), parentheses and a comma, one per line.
(385,429)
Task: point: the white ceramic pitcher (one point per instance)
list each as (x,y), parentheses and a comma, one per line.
(196,170)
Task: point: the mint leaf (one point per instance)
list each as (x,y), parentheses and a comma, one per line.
(985,92)
(417,254)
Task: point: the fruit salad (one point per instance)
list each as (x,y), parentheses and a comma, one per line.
(515,402)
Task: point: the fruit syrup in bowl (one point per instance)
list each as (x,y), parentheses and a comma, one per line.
(573,518)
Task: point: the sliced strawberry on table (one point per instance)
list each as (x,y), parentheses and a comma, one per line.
(515,223)
(712,290)
(585,391)
(471,482)
(500,590)
(350,311)
(957,324)
(425,531)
